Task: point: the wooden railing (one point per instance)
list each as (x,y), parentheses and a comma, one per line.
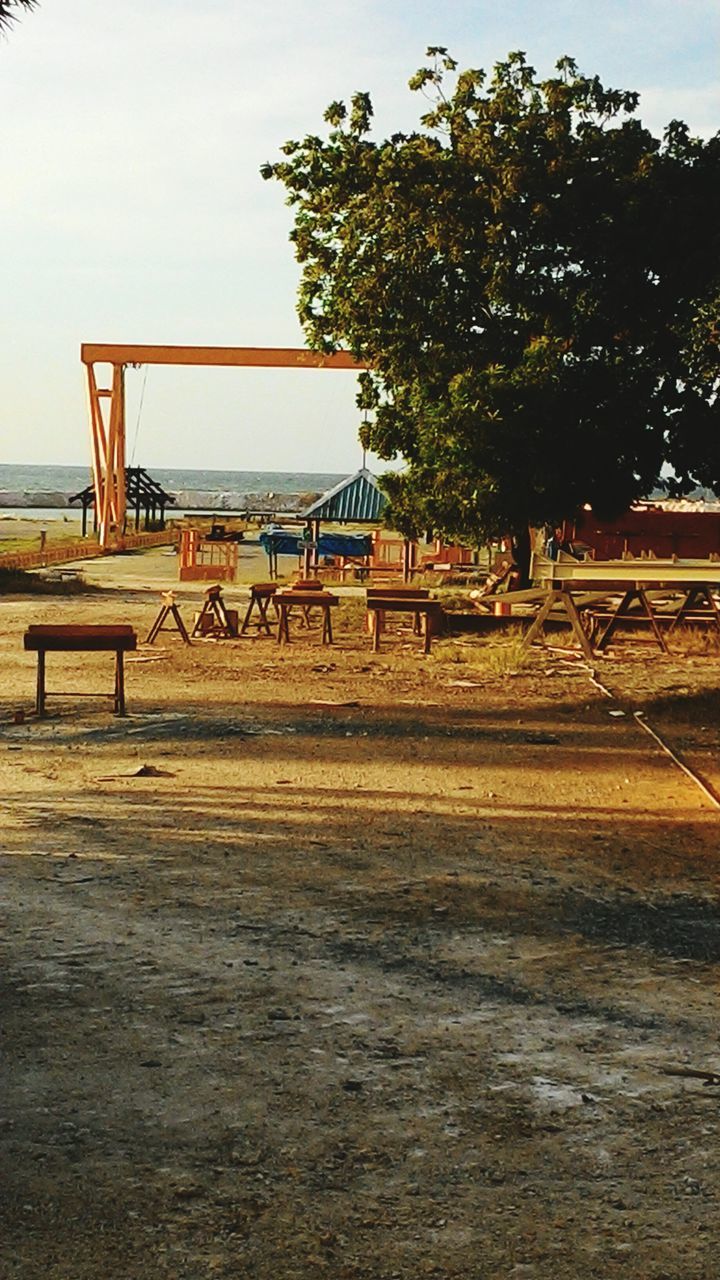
(88,549)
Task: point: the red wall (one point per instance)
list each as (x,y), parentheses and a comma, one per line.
(691,535)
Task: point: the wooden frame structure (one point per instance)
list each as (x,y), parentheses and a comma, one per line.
(107,404)
(204,559)
(573,584)
(418,603)
(215,619)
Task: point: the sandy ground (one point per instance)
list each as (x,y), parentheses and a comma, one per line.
(376,976)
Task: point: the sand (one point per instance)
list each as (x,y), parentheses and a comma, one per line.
(376,975)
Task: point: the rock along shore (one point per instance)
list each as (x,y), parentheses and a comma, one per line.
(185,500)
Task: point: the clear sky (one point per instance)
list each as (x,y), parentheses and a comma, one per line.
(132,210)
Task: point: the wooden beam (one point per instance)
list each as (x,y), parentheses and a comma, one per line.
(256,357)
(646,572)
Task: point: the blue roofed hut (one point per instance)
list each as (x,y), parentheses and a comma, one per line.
(356,500)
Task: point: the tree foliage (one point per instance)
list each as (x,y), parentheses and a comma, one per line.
(532,277)
(10,10)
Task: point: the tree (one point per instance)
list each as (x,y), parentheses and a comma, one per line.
(525,275)
(8,11)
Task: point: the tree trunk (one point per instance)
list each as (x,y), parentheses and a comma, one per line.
(521,554)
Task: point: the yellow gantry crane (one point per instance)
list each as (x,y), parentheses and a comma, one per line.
(107,405)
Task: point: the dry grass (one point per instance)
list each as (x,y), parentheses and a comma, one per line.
(494,657)
(702,641)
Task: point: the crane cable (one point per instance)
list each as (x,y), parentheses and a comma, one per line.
(139,414)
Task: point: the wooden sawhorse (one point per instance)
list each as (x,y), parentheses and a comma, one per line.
(699,604)
(635,592)
(214,618)
(42,639)
(261,593)
(398,593)
(169,609)
(564,598)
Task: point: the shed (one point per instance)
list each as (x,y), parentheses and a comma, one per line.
(358,500)
(143,495)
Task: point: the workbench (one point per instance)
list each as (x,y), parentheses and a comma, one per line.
(74,638)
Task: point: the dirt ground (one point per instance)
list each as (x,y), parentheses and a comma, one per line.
(376,976)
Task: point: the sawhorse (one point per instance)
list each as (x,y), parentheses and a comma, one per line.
(563,598)
(635,592)
(261,593)
(221,622)
(305,600)
(420,606)
(692,609)
(169,610)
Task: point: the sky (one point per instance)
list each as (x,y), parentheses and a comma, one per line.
(132,209)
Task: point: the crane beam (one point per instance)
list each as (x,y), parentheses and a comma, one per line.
(256,357)
(107,404)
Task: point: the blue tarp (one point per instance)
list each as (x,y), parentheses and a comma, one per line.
(282,542)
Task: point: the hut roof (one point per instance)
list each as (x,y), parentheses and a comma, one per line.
(138,484)
(358,498)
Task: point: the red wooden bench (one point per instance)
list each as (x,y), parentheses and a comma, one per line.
(117,639)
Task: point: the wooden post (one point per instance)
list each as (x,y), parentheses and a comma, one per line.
(40,694)
(108,453)
(119,684)
(565,599)
(327,635)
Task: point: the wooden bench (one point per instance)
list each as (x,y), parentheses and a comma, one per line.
(305,600)
(397,592)
(43,639)
(417,604)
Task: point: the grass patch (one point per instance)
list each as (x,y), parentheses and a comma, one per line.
(702,641)
(17,582)
(496,657)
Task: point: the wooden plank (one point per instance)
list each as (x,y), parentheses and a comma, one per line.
(70,639)
(392,604)
(79,629)
(305,598)
(70,644)
(406,593)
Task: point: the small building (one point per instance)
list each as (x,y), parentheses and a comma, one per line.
(356,500)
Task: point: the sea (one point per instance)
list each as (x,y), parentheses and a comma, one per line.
(44,492)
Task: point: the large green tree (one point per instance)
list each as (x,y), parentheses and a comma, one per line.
(530,276)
